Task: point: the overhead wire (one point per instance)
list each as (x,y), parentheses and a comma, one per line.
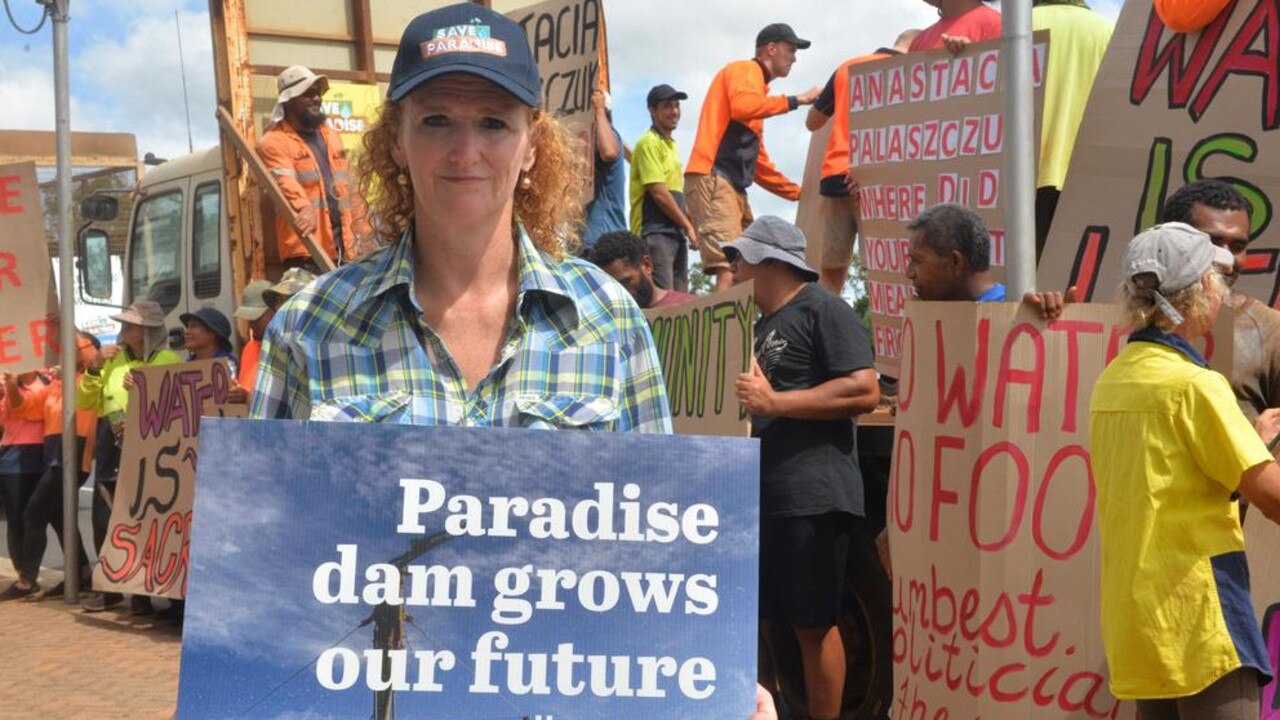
(44,17)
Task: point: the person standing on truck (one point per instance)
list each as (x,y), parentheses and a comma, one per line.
(728,151)
(306,158)
(473,314)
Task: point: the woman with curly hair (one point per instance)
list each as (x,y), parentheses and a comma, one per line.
(473,313)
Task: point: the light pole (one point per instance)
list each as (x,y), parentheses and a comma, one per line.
(58,10)
(1019,149)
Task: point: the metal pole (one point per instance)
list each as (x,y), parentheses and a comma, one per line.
(67,336)
(1019,149)
(182,70)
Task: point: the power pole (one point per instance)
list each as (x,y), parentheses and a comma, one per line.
(1019,149)
(59,10)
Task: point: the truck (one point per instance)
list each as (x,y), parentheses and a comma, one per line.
(202,225)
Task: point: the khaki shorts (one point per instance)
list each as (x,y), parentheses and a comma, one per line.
(719,214)
(839,226)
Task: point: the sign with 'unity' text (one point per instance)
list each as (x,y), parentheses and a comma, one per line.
(1168,109)
(28,340)
(991,515)
(470,573)
(148,542)
(925,129)
(703,345)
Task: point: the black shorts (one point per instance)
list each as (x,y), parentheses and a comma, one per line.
(802,568)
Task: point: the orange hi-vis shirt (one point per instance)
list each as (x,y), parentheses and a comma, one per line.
(835,163)
(730,139)
(290,161)
(249,355)
(86,421)
(1188,15)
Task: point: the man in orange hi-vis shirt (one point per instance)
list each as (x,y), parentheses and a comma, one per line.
(1188,15)
(728,151)
(838,207)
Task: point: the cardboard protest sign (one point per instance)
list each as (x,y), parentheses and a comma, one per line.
(1168,109)
(991,514)
(1262,545)
(568,39)
(925,129)
(351,109)
(703,345)
(463,572)
(809,209)
(147,546)
(27,340)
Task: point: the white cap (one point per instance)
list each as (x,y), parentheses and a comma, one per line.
(1178,255)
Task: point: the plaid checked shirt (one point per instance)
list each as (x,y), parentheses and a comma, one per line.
(353,347)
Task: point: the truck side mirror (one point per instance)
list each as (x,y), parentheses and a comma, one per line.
(99,208)
(95,263)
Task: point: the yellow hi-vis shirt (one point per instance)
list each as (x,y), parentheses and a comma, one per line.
(1169,445)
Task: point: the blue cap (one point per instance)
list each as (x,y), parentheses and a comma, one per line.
(210,318)
(466,38)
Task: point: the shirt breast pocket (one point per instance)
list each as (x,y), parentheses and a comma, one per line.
(390,408)
(555,412)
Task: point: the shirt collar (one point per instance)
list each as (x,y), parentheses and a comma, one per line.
(1169,340)
(394,270)
(654,129)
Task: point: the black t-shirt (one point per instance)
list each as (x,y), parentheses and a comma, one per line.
(809,467)
(315,140)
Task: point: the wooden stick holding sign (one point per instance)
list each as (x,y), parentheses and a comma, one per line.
(269,185)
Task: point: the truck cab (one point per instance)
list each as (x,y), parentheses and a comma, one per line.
(178,251)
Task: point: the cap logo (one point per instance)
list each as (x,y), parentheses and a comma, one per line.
(472,38)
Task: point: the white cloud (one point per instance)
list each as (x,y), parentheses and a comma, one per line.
(134,84)
(28,97)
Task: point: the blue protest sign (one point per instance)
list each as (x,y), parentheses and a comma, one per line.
(339,570)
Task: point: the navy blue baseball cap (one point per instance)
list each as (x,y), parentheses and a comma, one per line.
(466,38)
(662,92)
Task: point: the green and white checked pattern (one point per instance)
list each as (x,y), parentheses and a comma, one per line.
(353,347)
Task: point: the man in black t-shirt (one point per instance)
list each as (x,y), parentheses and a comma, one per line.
(812,376)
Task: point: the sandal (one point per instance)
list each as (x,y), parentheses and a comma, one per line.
(14,592)
(46,593)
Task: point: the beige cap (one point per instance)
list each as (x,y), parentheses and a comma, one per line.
(294,82)
(293,280)
(146,313)
(252,303)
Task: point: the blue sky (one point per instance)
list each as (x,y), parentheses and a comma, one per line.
(125,74)
(264,527)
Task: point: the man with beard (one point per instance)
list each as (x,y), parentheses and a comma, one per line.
(625,256)
(306,158)
(1216,208)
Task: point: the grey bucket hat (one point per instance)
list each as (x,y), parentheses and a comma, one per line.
(771,238)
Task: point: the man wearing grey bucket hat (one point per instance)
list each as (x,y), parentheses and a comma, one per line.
(811,377)
(1171,451)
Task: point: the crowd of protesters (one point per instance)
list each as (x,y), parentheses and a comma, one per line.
(435,308)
